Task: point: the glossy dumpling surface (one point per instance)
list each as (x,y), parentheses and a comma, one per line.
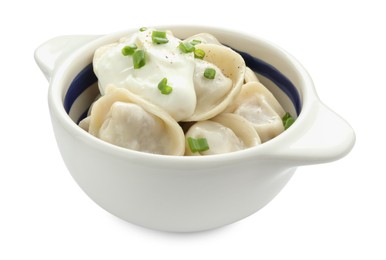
(129,125)
(203,38)
(224,134)
(230,70)
(123,119)
(257,104)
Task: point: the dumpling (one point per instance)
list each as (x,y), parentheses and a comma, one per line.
(85,123)
(222,134)
(257,105)
(209,91)
(250,76)
(122,118)
(214,95)
(203,38)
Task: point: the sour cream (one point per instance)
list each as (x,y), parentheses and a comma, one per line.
(162,61)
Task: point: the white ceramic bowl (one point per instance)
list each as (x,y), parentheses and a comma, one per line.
(183,194)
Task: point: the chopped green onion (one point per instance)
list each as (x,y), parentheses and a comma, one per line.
(288,120)
(129,49)
(186,47)
(286,116)
(139,59)
(198,145)
(199,54)
(159,37)
(195,42)
(288,123)
(209,73)
(164,88)
(142,29)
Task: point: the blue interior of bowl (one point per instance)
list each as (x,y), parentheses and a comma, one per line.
(86,78)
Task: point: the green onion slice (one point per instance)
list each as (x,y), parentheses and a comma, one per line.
(288,123)
(209,73)
(139,59)
(195,42)
(164,88)
(198,145)
(186,47)
(129,49)
(142,29)
(159,37)
(288,120)
(199,54)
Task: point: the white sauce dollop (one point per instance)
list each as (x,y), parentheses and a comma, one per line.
(162,61)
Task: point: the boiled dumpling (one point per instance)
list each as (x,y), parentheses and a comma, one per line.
(223,134)
(85,123)
(122,118)
(209,91)
(250,76)
(203,38)
(214,95)
(257,104)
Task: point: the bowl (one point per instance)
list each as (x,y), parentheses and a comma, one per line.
(187,194)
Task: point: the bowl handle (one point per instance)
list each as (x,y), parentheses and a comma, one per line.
(323,136)
(53,52)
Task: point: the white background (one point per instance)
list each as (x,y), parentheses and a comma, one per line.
(330,211)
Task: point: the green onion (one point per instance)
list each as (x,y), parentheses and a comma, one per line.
(209,73)
(139,59)
(288,120)
(195,42)
(288,123)
(129,49)
(186,47)
(142,29)
(164,88)
(286,116)
(159,37)
(198,145)
(199,54)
